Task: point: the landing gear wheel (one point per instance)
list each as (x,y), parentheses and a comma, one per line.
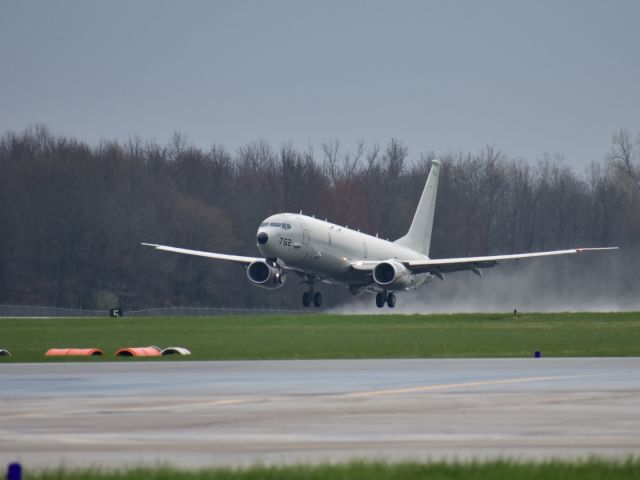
(380,299)
(391,300)
(317,299)
(306,299)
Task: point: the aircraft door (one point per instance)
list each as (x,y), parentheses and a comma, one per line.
(304,249)
(306,234)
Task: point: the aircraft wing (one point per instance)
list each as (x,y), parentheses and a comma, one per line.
(446,265)
(198,253)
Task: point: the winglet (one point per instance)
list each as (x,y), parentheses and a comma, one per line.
(595,249)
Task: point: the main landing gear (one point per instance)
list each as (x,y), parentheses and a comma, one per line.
(388,298)
(311,296)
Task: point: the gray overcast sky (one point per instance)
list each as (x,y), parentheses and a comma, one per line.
(529,77)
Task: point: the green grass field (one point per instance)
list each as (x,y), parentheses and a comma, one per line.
(332,336)
(592,469)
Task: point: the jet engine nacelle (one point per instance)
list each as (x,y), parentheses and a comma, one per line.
(263,275)
(392,275)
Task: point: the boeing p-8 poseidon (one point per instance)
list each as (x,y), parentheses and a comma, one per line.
(320,251)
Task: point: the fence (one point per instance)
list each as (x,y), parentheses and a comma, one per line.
(33,311)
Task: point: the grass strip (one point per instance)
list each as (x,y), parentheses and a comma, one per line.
(326,336)
(591,469)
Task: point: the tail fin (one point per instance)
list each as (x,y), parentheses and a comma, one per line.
(418,237)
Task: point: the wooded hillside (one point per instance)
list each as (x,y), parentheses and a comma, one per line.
(72,215)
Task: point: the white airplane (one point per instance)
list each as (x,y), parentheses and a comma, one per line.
(320,251)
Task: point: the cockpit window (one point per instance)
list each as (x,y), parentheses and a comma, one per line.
(285,226)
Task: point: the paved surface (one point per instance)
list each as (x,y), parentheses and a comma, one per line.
(238,413)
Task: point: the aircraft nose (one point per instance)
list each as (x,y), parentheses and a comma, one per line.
(262,238)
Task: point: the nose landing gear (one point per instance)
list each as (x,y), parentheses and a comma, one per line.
(389,299)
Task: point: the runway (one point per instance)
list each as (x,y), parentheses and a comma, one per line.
(197,414)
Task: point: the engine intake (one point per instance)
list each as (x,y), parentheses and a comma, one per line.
(392,275)
(261,274)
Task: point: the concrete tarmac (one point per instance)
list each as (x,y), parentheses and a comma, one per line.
(197,414)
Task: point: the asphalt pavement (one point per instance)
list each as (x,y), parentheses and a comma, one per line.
(196,414)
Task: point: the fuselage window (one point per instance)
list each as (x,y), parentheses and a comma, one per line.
(286,226)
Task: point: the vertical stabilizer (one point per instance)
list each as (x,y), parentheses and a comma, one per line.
(418,237)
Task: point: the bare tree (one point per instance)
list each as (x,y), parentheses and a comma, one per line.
(624,156)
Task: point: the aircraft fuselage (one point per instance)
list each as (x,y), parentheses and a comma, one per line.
(312,245)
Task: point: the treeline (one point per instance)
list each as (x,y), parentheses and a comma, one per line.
(72,215)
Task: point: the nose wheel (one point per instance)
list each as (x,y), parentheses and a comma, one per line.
(311,297)
(389,299)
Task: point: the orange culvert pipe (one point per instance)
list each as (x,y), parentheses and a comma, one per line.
(72,352)
(151,351)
